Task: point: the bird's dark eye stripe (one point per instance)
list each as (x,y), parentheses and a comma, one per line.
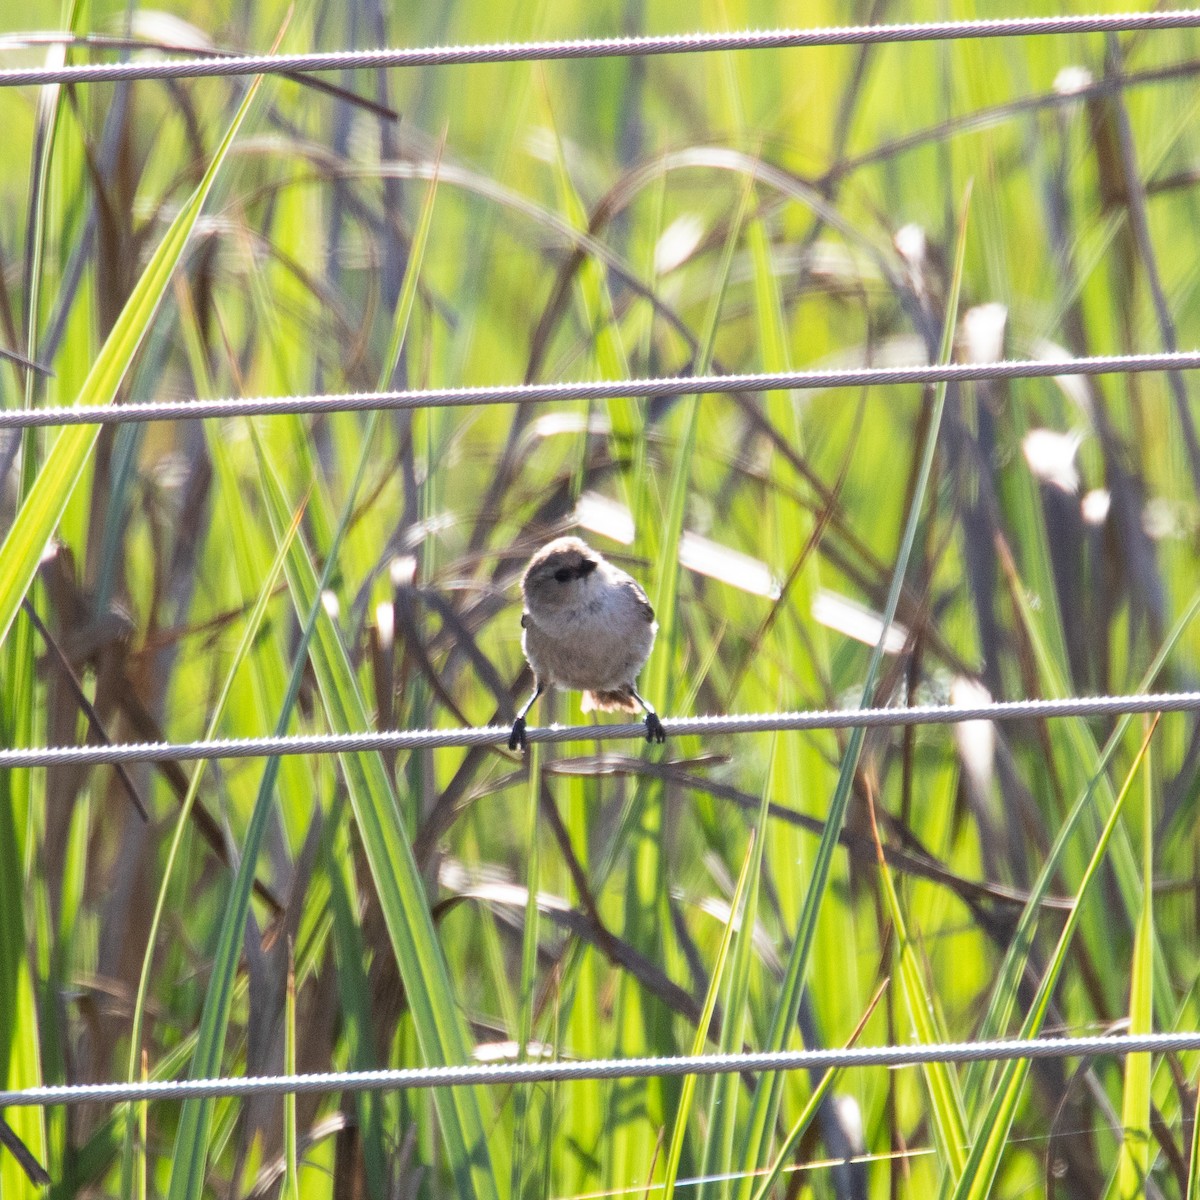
(562,574)
(586,567)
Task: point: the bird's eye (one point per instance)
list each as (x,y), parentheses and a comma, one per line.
(562,574)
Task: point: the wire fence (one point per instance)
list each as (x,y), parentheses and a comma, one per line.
(609,389)
(395,740)
(612,47)
(606,1068)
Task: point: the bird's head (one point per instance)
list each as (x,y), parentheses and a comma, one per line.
(558,575)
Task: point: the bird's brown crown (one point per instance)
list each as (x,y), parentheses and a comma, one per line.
(561,561)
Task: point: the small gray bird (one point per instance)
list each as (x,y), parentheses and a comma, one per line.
(588,627)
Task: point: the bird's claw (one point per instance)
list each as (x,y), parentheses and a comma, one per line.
(654,729)
(516,739)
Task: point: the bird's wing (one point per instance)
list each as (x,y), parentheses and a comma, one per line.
(639,594)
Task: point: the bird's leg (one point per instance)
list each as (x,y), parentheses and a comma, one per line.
(654,727)
(516,739)
(30,1165)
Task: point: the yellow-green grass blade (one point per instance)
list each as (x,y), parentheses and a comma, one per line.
(802,1122)
(352,978)
(523,1099)
(1016,958)
(196,1120)
(718,1156)
(192,1139)
(351,957)
(22,1028)
(291,1176)
(91,1159)
(21,1031)
(1193,1178)
(683,1110)
(642,1023)
(795,666)
(976,1179)
(945,1096)
(809,1111)
(1083,751)
(1098,789)
(665,590)
(1133,1166)
(19,1061)
(581,1123)
(408,287)
(143,1118)
(765,1107)
(38,516)
(599,316)
(476,1168)
(249,636)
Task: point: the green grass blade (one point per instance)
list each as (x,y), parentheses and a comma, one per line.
(802,1122)
(408,286)
(766,1101)
(196,1120)
(39,515)
(350,954)
(642,1021)
(809,1111)
(718,1154)
(529,947)
(665,550)
(291,1177)
(1016,958)
(683,1111)
(250,634)
(1133,1167)
(182,823)
(397,880)
(18,1024)
(976,1179)
(1193,1179)
(945,1096)
(400,889)
(626,417)
(1084,752)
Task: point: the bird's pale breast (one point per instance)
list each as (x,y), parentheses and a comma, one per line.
(598,645)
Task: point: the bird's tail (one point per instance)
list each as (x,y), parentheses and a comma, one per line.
(620,700)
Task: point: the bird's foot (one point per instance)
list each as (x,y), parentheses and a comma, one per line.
(516,739)
(654,729)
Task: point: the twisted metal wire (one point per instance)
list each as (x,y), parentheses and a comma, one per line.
(609,389)
(610,47)
(497,735)
(604,1068)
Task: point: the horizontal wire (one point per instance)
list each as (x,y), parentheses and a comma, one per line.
(496,735)
(609,47)
(607,389)
(604,1068)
